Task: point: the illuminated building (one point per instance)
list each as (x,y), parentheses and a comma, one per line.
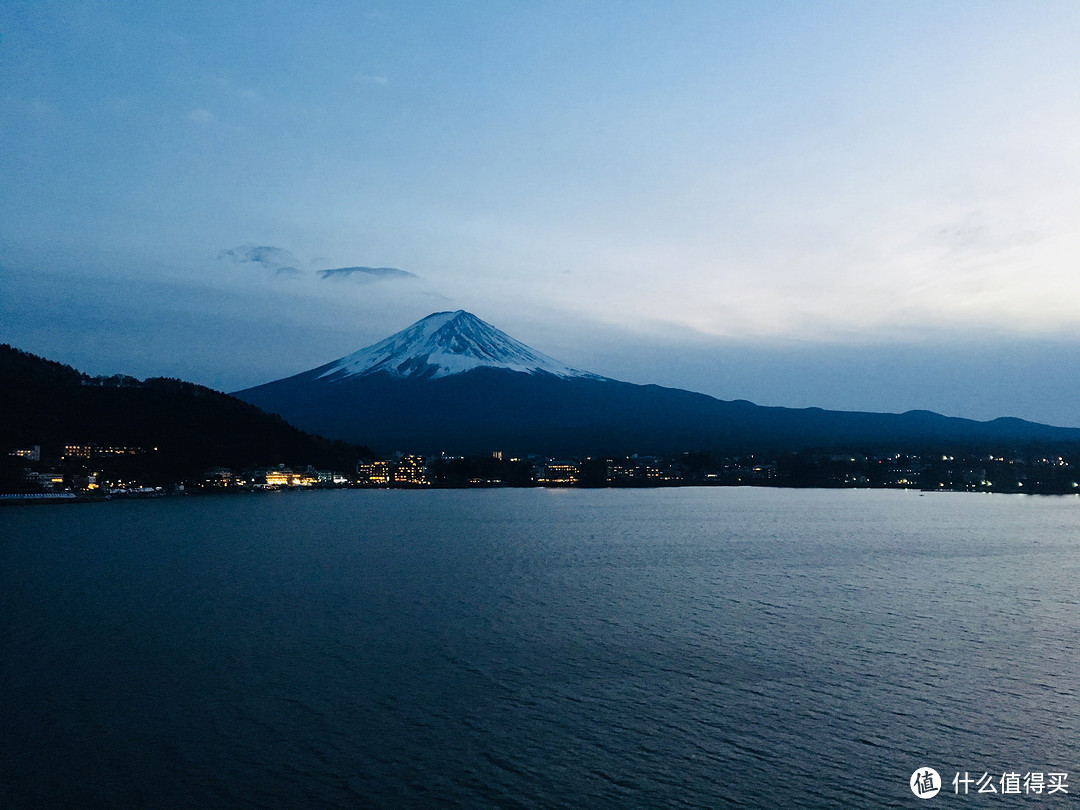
(284,477)
(220,477)
(410,471)
(46,480)
(559,474)
(373,473)
(88,450)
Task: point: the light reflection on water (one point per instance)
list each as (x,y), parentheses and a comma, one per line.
(675,647)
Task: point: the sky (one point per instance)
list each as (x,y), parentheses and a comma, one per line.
(853,205)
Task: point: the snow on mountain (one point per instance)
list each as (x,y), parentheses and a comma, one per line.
(443,344)
(411,392)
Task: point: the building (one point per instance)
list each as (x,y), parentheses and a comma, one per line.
(281,477)
(559,474)
(46,480)
(96,451)
(373,473)
(411,471)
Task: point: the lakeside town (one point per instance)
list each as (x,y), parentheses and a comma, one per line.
(93,472)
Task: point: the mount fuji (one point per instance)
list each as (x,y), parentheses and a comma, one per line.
(453,383)
(443,344)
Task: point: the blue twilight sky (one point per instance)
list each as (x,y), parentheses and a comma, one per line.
(846,204)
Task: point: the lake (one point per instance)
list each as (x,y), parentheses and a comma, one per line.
(689,647)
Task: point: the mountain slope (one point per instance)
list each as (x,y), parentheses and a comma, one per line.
(50,404)
(450,383)
(443,344)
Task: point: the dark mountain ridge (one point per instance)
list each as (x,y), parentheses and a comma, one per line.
(405,393)
(47,403)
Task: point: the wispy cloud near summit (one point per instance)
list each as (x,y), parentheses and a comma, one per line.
(366,273)
(284,263)
(273,258)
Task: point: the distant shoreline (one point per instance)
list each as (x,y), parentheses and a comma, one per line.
(43,499)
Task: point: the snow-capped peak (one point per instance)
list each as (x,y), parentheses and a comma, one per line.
(443,344)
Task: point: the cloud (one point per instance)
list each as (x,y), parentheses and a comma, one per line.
(273,258)
(283,263)
(370,78)
(201,117)
(366,273)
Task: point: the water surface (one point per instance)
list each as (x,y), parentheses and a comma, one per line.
(534,648)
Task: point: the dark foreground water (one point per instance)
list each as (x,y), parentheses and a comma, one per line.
(681,647)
